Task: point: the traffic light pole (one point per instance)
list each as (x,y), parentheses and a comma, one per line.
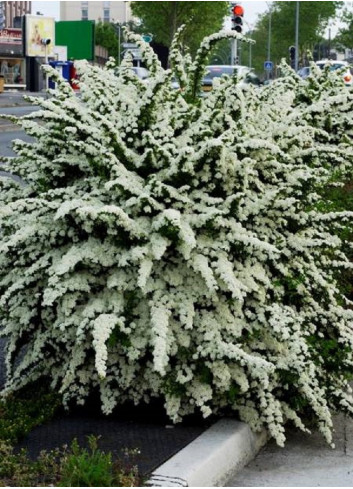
(234,51)
(237,25)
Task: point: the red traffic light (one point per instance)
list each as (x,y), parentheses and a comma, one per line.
(238,10)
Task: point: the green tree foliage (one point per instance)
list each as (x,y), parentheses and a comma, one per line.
(222,53)
(313,18)
(344,38)
(106,37)
(162,19)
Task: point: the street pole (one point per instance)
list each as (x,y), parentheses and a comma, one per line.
(250,51)
(269,40)
(46,63)
(296,61)
(119,44)
(234,51)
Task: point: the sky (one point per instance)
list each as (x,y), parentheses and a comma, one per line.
(251,7)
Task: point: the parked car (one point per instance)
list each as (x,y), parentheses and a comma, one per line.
(216,71)
(338,65)
(334,65)
(304,72)
(141,72)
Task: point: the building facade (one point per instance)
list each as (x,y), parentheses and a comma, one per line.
(116,12)
(11,13)
(12,59)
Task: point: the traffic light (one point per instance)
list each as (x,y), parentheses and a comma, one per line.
(292,56)
(237,18)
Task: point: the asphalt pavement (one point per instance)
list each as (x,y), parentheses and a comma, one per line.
(15,98)
(12,103)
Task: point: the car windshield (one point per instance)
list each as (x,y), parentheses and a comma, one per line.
(217,71)
(333,66)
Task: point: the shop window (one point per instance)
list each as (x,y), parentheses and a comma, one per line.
(12,70)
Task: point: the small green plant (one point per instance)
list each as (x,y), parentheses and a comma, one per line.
(20,413)
(67,467)
(17,469)
(94,468)
(88,468)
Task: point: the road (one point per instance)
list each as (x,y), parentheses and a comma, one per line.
(19,111)
(6,139)
(6,125)
(10,99)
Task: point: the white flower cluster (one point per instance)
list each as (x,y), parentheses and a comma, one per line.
(182,247)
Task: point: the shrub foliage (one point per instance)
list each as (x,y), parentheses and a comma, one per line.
(183,247)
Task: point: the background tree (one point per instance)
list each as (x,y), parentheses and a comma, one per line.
(313,18)
(106,36)
(344,38)
(162,19)
(222,53)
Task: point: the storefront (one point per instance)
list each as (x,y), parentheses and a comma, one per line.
(12,61)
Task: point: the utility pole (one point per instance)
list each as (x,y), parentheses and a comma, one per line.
(250,50)
(296,61)
(234,60)
(119,43)
(269,39)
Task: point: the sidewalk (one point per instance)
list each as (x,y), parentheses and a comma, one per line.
(306,461)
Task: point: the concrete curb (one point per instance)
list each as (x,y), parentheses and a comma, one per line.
(212,459)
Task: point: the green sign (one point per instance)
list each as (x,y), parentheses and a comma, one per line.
(78,36)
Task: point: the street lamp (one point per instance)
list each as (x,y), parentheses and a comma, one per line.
(45,41)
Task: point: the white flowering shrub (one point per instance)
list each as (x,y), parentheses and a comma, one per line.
(167,245)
